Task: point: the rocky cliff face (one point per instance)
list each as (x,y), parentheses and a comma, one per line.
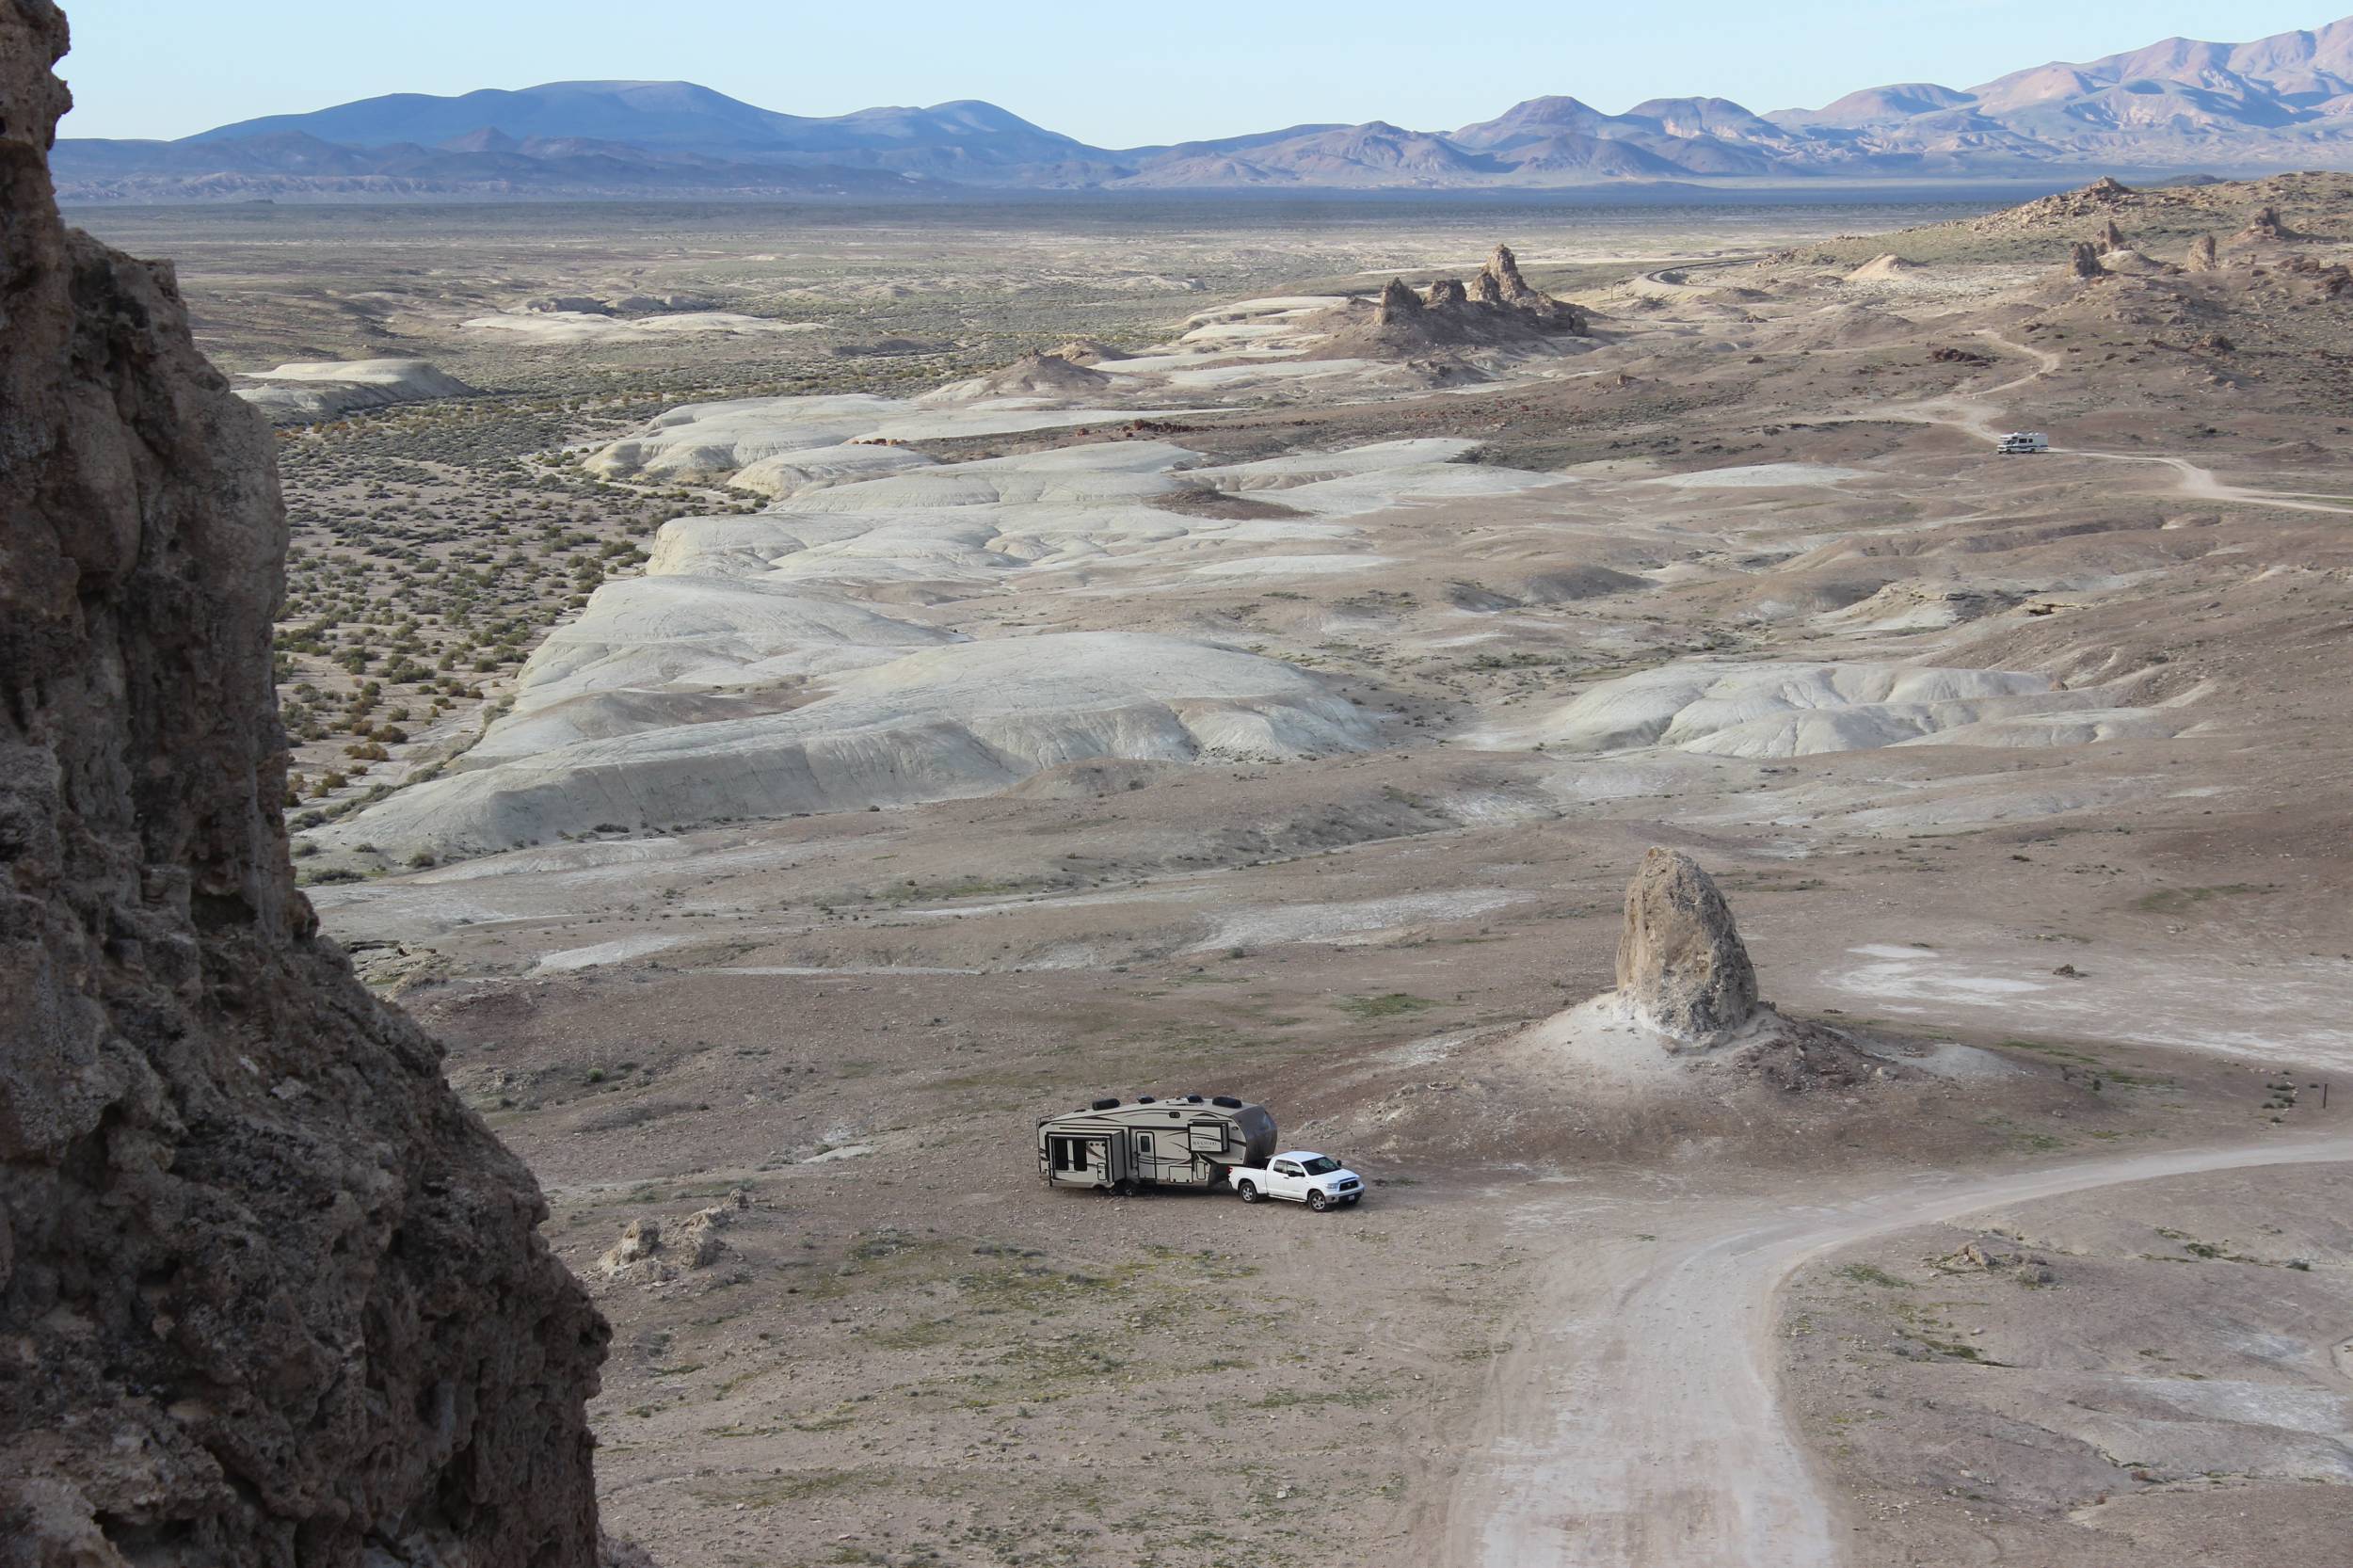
(269,1294)
(1681,965)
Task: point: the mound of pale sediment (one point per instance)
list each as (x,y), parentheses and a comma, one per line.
(1360,479)
(946,723)
(641,638)
(1032,375)
(1682,969)
(714,439)
(563,327)
(306,392)
(1761,476)
(1090,351)
(789,473)
(1847,325)
(1786,709)
(1880,267)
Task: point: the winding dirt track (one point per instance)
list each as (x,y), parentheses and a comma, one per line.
(1637,1424)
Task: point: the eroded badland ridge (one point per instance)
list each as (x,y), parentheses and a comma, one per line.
(1827,942)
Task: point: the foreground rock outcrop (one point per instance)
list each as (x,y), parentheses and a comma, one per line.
(1682,969)
(269,1294)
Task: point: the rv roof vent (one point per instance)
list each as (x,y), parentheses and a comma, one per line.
(1228,1101)
(1104,1105)
(1192,1099)
(1146,1099)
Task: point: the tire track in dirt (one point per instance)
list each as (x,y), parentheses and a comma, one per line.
(1637,1424)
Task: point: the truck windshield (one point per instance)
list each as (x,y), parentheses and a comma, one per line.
(1322,1164)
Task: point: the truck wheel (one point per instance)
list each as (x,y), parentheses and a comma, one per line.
(1318,1202)
(1249,1194)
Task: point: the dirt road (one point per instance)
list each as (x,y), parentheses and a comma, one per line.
(1637,1421)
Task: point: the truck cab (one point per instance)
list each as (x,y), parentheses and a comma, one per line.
(1301,1175)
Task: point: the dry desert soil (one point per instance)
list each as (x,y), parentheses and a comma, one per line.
(784,764)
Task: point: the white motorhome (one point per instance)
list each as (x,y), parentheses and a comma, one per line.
(1158,1141)
(2024,442)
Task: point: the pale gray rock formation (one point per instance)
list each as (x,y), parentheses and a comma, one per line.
(2202,257)
(323,390)
(2112,238)
(2083,262)
(2266,228)
(1498,308)
(568,304)
(269,1295)
(1399,303)
(1681,966)
(1503,271)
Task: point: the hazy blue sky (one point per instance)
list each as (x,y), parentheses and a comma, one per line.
(1108,72)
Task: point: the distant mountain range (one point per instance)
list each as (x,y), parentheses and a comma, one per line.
(2279,103)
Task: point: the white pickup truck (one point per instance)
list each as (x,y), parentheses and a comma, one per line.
(1317,1180)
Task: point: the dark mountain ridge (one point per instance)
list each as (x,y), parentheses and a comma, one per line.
(2278,102)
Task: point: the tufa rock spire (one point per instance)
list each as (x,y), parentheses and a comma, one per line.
(1681,965)
(1399,303)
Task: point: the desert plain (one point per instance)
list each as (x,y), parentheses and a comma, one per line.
(793,698)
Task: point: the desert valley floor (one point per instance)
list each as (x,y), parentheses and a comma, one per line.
(792,699)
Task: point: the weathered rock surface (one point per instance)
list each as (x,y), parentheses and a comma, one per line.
(2083,260)
(1498,308)
(269,1294)
(2266,228)
(1399,303)
(1681,965)
(2202,257)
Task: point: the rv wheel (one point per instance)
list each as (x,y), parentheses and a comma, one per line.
(1249,1194)
(1123,1188)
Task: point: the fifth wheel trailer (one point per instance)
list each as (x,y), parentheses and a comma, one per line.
(1172,1141)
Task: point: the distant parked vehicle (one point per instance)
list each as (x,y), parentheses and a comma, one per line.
(1300,1175)
(2024,442)
(1171,1141)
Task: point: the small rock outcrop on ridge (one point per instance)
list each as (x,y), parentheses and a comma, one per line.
(1682,969)
(2265,228)
(1399,303)
(2202,257)
(269,1295)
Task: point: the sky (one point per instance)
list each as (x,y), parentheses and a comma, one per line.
(1112,72)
